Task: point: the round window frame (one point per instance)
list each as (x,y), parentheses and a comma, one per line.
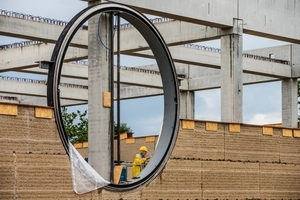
(170,125)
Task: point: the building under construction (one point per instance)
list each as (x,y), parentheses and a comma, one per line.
(192,158)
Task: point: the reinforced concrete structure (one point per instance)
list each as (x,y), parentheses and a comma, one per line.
(201,22)
(198,68)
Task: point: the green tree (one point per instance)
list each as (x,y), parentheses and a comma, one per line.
(76,125)
(123,128)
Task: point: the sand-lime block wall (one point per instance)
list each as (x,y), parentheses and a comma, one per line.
(211,160)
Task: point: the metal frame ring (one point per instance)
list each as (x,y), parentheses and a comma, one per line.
(166,66)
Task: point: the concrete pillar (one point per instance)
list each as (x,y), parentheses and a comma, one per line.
(290,91)
(231,74)
(289,102)
(187,105)
(99,155)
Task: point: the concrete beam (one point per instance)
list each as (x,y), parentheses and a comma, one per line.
(220,14)
(40,90)
(77,74)
(196,82)
(212,59)
(31,89)
(20,58)
(35,30)
(69,71)
(183,32)
(214,81)
(34,92)
(16,59)
(42,101)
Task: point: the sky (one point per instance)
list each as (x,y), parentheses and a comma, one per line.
(144,115)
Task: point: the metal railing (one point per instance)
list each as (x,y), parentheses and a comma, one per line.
(64,23)
(246,55)
(44,82)
(8,98)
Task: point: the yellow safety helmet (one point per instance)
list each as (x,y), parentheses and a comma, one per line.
(143,148)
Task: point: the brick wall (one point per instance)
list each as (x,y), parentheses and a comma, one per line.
(211,160)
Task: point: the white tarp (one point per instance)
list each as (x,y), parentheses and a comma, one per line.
(85,178)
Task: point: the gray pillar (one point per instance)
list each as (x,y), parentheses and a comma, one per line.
(99,83)
(289,103)
(231,74)
(187,105)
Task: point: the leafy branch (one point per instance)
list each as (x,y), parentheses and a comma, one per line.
(76,125)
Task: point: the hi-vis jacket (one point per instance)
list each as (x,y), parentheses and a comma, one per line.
(137,165)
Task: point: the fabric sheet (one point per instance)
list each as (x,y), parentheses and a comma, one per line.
(84,177)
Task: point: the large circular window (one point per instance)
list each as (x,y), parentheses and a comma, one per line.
(166,67)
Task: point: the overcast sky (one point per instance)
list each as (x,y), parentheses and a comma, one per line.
(262,103)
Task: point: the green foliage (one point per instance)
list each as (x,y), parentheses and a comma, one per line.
(123,128)
(76,131)
(76,125)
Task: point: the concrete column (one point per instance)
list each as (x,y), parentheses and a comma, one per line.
(290,91)
(187,105)
(289,102)
(231,74)
(99,82)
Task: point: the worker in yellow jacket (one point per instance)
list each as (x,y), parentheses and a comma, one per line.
(139,162)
